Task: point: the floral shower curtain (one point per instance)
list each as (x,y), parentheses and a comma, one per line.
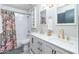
(9,33)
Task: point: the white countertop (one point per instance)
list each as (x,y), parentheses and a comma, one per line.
(70,45)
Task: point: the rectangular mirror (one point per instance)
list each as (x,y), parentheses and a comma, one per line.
(66,15)
(43,17)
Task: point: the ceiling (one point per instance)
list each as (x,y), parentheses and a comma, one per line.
(21,6)
(25,6)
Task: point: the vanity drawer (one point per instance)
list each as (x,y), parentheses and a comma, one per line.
(35,50)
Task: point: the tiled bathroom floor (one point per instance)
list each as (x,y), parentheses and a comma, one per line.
(19,50)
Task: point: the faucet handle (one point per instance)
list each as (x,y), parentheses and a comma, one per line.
(61,33)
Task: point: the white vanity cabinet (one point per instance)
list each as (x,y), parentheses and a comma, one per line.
(36,45)
(40,46)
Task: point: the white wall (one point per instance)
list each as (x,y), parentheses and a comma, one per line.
(37,16)
(70,30)
(78,26)
(29,22)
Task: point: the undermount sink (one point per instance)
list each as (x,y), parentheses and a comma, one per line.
(71,41)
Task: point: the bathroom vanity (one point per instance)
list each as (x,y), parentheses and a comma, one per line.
(44,44)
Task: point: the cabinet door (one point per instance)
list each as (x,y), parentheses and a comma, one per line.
(61,51)
(45,47)
(48,49)
(51,14)
(40,47)
(33,45)
(52,49)
(58,52)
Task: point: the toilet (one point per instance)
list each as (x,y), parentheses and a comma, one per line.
(25,44)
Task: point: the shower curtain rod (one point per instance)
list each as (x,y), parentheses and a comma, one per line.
(21,13)
(16,12)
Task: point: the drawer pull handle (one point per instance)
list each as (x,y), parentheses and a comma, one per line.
(40,43)
(33,51)
(53,51)
(39,49)
(32,40)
